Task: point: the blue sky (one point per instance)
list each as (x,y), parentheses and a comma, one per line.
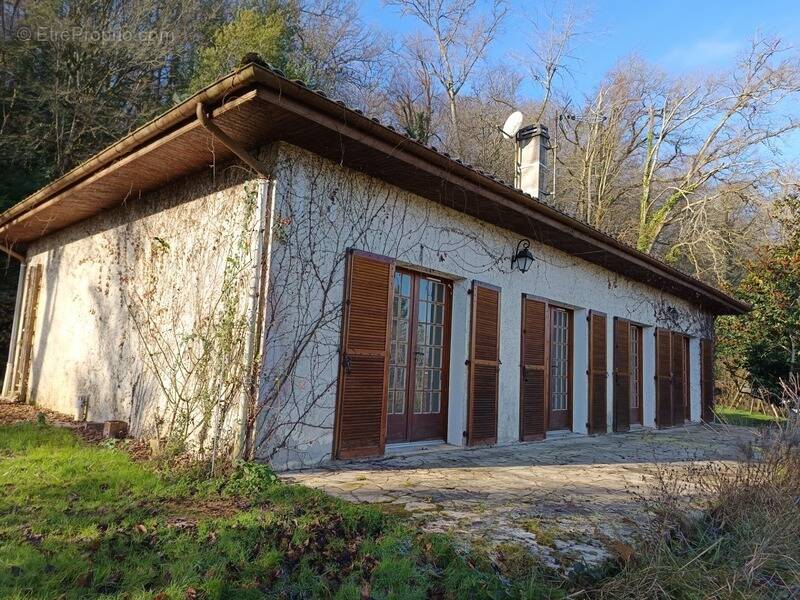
(678,36)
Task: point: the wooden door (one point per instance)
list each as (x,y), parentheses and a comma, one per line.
(707,379)
(598,373)
(419,358)
(26,334)
(534,388)
(484,365)
(678,378)
(636,374)
(622,374)
(559,386)
(360,428)
(663,378)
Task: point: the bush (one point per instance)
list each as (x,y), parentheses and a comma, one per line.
(745,544)
(250,480)
(762,344)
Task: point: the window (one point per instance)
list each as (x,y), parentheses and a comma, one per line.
(398,358)
(559,359)
(636,366)
(429,347)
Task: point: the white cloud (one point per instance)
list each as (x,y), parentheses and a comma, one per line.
(702,53)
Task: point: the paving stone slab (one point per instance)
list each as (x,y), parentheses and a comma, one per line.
(583,490)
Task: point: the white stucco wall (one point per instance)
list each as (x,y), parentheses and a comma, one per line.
(325,209)
(162,257)
(167,252)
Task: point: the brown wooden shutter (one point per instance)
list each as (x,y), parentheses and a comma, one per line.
(33,286)
(598,373)
(622,374)
(678,379)
(364,356)
(663,378)
(484,365)
(533,396)
(707,379)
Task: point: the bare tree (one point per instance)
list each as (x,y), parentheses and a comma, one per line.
(338,53)
(706,133)
(553,39)
(599,148)
(412,98)
(457,37)
(671,163)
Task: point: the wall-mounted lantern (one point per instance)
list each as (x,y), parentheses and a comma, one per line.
(523,259)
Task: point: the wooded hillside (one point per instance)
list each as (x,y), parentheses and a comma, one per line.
(690,166)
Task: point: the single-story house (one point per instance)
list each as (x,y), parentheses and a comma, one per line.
(262,265)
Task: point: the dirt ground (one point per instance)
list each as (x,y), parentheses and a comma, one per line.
(11,413)
(15,412)
(571,500)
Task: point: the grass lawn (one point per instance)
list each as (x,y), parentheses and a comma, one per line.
(84,521)
(740,416)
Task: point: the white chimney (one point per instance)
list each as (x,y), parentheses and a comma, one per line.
(532,167)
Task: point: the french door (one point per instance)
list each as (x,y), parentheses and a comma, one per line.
(418,358)
(636,374)
(560,385)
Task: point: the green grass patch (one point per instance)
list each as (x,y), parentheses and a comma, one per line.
(545,534)
(82,521)
(740,416)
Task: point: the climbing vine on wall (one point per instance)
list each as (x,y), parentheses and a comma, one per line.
(186,293)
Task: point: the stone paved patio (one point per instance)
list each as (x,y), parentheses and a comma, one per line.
(567,499)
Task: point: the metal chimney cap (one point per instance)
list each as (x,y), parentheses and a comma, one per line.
(530,131)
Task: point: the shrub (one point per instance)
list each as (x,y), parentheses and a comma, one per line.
(746,541)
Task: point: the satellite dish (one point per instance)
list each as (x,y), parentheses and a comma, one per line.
(512,125)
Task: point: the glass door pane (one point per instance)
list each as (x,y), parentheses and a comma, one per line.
(559,359)
(634,367)
(429,346)
(398,355)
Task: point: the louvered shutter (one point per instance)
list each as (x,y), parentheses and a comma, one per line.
(364,357)
(33,286)
(622,374)
(484,365)
(663,378)
(707,379)
(533,397)
(598,373)
(678,379)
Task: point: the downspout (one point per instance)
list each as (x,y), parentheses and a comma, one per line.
(12,345)
(260,273)
(259,287)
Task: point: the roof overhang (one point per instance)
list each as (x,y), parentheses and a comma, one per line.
(255,105)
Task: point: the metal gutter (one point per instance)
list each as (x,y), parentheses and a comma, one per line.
(260,274)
